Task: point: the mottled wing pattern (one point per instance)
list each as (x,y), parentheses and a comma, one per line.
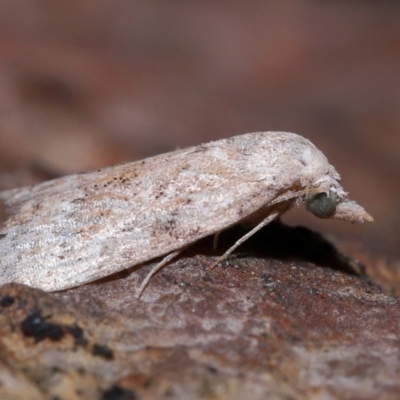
(79,228)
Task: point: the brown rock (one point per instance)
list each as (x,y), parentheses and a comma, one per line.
(288,316)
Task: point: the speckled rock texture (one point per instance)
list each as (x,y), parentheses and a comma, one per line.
(287,317)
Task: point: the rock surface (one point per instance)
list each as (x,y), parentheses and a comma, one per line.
(286,317)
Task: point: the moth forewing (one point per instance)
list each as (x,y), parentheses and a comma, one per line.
(79,228)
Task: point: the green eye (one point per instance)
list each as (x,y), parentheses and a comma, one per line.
(322,205)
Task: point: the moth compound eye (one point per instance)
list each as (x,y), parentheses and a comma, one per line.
(322,205)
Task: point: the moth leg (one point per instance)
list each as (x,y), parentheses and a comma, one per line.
(215,241)
(155,269)
(263,223)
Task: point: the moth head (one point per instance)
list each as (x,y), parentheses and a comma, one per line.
(332,205)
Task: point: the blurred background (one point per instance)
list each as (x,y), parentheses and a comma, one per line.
(85,84)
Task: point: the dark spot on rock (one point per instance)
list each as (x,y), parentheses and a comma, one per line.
(7,301)
(314,291)
(102,351)
(118,393)
(78,334)
(268,280)
(35,325)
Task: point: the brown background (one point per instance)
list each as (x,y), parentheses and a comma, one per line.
(88,84)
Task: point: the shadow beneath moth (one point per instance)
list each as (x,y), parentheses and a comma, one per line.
(79,228)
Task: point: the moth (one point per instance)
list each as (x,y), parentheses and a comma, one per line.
(76,229)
